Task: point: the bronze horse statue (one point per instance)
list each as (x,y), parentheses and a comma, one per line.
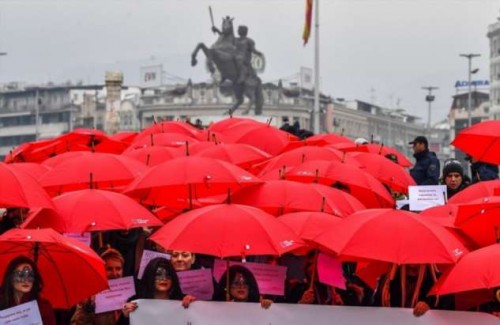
(223,54)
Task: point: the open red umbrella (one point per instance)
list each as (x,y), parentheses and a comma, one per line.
(309,225)
(169,127)
(18,189)
(35,170)
(378,149)
(480,220)
(239,154)
(71,271)
(163,139)
(152,155)
(352,179)
(225,230)
(94,210)
(393,236)
(58,159)
(476,191)
(188,178)
(105,171)
(385,170)
(278,197)
(481,141)
(298,156)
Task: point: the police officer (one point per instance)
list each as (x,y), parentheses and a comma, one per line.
(426,170)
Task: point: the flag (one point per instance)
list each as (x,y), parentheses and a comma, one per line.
(307,25)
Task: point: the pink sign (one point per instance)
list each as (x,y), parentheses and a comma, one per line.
(198,283)
(270,278)
(113,299)
(330,271)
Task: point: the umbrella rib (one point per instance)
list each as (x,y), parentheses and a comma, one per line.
(57,271)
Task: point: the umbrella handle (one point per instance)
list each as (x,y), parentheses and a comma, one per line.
(228,295)
(315,265)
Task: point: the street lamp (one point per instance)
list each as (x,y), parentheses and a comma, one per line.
(470,72)
(429,98)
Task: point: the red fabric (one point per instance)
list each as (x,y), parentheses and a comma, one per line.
(481,141)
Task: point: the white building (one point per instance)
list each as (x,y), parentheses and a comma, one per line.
(494,36)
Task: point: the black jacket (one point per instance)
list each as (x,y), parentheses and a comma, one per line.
(426,170)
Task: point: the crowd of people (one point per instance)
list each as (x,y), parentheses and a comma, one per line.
(402,286)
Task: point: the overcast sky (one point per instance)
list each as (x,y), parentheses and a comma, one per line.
(384,50)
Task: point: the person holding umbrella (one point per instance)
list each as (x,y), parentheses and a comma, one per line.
(159,281)
(426,169)
(481,171)
(22,283)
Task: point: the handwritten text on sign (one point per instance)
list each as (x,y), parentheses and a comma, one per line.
(23,314)
(113,299)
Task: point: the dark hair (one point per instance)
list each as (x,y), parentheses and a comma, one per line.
(147,288)
(253,288)
(7,288)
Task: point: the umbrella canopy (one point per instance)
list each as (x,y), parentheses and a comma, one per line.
(298,156)
(152,156)
(278,197)
(33,169)
(58,159)
(188,178)
(480,220)
(71,271)
(169,127)
(225,230)
(18,189)
(394,236)
(476,191)
(385,170)
(320,140)
(93,210)
(378,149)
(481,141)
(352,179)
(239,154)
(163,139)
(308,225)
(477,270)
(105,171)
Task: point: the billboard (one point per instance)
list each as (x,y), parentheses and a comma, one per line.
(151,76)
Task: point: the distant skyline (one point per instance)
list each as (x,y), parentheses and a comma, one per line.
(381,51)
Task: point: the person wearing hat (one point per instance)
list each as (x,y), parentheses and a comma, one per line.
(426,169)
(453,177)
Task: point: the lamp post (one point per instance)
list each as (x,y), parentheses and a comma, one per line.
(429,99)
(470,72)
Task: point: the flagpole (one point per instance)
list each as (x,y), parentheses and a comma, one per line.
(316,129)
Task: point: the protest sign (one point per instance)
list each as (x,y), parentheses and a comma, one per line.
(423,197)
(24,314)
(113,299)
(198,283)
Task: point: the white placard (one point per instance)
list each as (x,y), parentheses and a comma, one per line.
(153,312)
(427,196)
(113,299)
(270,278)
(147,256)
(24,314)
(198,283)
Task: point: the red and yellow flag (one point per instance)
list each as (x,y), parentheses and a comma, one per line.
(307,25)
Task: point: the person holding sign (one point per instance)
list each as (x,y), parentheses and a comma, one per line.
(159,281)
(242,287)
(22,283)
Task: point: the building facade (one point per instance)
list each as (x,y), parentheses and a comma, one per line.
(494,37)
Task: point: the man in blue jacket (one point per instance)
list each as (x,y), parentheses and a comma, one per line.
(426,170)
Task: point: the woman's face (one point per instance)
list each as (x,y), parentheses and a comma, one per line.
(181,260)
(239,288)
(23,278)
(163,280)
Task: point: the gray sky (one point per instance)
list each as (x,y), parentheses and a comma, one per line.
(391,46)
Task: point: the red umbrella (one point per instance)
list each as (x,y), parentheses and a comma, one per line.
(308,225)
(22,152)
(480,220)
(225,230)
(481,141)
(232,122)
(477,270)
(58,159)
(355,181)
(300,155)
(33,169)
(18,189)
(169,127)
(327,139)
(385,170)
(281,196)
(126,137)
(71,271)
(106,171)
(239,154)
(394,236)
(378,149)
(94,210)
(476,191)
(188,178)
(163,139)
(152,156)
